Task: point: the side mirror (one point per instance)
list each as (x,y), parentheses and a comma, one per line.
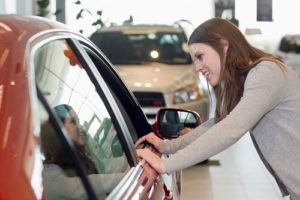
(170,121)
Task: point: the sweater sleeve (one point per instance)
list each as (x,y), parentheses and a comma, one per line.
(262,92)
(171,146)
(58,184)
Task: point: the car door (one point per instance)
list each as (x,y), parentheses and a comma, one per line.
(76,94)
(143,182)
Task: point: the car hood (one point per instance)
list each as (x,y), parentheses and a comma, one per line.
(157,76)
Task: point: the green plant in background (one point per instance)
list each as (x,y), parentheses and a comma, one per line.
(43,11)
(99,23)
(42,7)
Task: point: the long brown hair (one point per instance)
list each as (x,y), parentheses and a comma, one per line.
(240,58)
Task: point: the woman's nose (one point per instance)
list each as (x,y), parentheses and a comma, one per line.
(198,67)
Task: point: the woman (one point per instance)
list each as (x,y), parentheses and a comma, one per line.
(255,92)
(61,179)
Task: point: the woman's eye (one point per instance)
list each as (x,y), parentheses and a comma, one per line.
(74,121)
(199,57)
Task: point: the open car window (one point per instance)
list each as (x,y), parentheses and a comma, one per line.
(72,95)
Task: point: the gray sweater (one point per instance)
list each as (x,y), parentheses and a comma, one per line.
(269,109)
(61,187)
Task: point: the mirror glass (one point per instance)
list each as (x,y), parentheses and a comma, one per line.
(172,121)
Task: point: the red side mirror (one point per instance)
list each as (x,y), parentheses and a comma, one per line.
(170,121)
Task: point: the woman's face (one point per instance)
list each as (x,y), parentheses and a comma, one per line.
(207,62)
(74,130)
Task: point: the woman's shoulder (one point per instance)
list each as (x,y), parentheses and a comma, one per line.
(266,65)
(266,71)
(267,68)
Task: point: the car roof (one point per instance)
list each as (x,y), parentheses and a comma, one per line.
(15,32)
(15,22)
(141,28)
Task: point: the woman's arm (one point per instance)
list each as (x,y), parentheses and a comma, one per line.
(171,146)
(60,185)
(264,88)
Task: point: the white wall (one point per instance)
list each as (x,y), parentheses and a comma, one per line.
(2,7)
(8,6)
(154,11)
(286,15)
(16,6)
(24,7)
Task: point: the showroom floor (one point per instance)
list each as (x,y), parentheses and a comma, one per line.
(235,174)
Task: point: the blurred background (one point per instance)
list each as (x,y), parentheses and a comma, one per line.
(264,22)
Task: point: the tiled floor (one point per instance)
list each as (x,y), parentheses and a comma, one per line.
(235,174)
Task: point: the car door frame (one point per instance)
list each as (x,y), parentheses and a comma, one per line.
(97,80)
(129,101)
(100,85)
(137,182)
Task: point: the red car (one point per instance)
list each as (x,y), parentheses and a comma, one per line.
(68,123)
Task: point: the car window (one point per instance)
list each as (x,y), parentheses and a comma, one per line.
(164,47)
(104,71)
(71,94)
(59,174)
(132,113)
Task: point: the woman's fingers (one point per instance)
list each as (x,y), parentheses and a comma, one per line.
(149,138)
(140,141)
(151,158)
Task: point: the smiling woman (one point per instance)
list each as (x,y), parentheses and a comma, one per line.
(203,56)
(256,92)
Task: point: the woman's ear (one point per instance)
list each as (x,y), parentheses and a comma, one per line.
(225,45)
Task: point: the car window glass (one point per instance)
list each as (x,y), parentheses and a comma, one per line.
(72,95)
(138,48)
(59,173)
(108,81)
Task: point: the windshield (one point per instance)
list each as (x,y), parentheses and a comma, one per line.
(125,48)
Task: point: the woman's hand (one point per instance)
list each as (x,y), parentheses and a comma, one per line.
(152,159)
(152,139)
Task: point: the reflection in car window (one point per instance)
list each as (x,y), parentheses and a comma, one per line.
(72,95)
(169,48)
(103,70)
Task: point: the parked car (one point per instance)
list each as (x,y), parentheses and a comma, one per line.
(68,123)
(154,62)
(289,50)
